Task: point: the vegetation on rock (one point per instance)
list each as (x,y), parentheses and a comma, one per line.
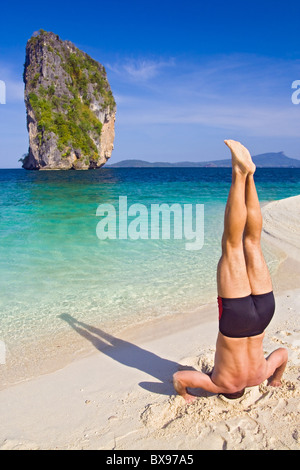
(68,95)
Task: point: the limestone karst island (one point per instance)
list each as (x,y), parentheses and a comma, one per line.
(69,104)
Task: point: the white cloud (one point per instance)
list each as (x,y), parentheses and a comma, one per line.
(139,69)
(15,90)
(255,120)
(247,93)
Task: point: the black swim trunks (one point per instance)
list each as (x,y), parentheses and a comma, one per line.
(245,316)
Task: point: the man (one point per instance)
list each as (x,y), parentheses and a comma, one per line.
(245,296)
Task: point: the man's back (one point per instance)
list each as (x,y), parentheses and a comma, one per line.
(239,362)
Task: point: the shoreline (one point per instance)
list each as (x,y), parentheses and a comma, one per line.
(69,346)
(120,396)
(74,345)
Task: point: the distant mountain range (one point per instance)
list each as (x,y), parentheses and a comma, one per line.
(265,160)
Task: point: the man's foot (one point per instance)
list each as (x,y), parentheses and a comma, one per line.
(241,157)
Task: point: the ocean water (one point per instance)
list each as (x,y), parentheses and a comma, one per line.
(53,266)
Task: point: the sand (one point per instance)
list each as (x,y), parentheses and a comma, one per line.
(120,397)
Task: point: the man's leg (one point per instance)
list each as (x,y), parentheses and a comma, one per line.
(232,274)
(257,270)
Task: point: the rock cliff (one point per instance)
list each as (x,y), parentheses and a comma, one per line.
(69,104)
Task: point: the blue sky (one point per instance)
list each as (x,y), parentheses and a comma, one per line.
(185,74)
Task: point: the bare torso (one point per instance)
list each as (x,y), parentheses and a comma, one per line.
(239,362)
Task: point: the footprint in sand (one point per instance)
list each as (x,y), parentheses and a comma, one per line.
(291,341)
(290,338)
(12,444)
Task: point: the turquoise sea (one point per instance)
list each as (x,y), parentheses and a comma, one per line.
(53,264)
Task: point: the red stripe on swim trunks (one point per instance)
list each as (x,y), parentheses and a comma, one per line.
(220,305)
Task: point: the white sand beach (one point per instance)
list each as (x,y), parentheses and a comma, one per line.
(121,397)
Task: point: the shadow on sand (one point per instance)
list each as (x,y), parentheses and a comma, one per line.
(130,355)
